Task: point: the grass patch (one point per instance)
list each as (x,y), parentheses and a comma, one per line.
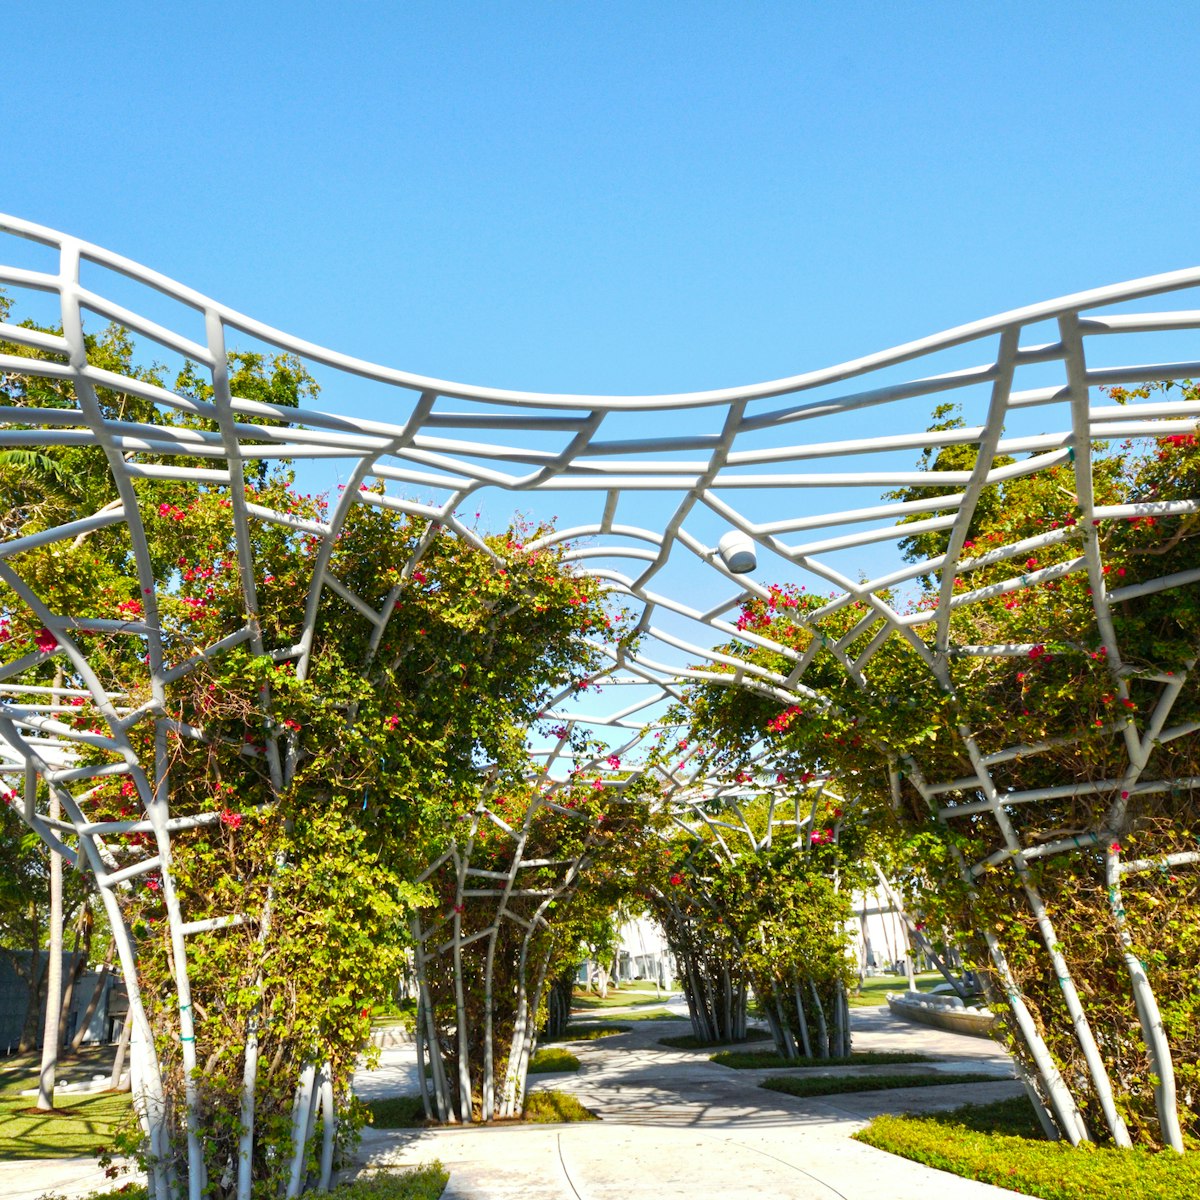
(833,1085)
(589,1033)
(874,991)
(395,1012)
(1001,1144)
(655,1014)
(552,1058)
(397,1112)
(79,1125)
(549,1108)
(615,999)
(426,1182)
(689,1041)
(749,1060)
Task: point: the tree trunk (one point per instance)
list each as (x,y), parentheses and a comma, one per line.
(37,976)
(83,932)
(49,1067)
(94,998)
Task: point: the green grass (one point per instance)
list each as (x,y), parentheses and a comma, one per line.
(397,1112)
(874,991)
(833,1085)
(426,1182)
(552,1058)
(81,1125)
(1001,1144)
(549,1108)
(750,1060)
(589,1033)
(541,1107)
(655,1014)
(615,999)
(689,1041)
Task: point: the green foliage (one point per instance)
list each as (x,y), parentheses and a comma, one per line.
(397,1112)
(550,1059)
(551,1108)
(426,1182)
(689,1041)
(78,1125)
(832,1085)
(753,1060)
(590,1033)
(327,791)
(877,726)
(1001,1144)
(961,456)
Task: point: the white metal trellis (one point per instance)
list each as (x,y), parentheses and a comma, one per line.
(728,457)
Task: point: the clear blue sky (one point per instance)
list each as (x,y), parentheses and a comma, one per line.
(612,197)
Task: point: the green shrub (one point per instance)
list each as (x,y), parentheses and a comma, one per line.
(832,1085)
(552,1058)
(689,1041)
(548,1108)
(589,1033)
(397,1112)
(415,1183)
(1001,1144)
(750,1060)
(426,1182)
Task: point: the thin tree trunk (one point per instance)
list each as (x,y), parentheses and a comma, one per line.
(94,999)
(49,1067)
(801,1020)
(78,962)
(37,974)
(822,1027)
(114,1082)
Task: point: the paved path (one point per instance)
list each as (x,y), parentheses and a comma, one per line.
(675,1125)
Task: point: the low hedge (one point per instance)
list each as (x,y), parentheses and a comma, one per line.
(833,1085)
(1001,1144)
(751,1060)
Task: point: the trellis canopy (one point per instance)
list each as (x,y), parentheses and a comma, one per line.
(699,512)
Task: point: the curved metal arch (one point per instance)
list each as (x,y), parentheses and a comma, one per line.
(424,451)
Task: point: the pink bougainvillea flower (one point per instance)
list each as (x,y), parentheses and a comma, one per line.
(231,819)
(676,879)
(613,761)
(44,640)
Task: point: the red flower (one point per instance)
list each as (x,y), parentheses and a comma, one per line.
(45,640)
(676,879)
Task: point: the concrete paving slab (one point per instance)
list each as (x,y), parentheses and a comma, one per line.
(674,1125)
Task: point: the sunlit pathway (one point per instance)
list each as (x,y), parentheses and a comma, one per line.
(675,1125)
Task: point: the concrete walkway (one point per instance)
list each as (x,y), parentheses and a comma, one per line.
(675,1126)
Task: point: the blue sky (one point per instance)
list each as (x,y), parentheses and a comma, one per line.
(613,197)
(617,197)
